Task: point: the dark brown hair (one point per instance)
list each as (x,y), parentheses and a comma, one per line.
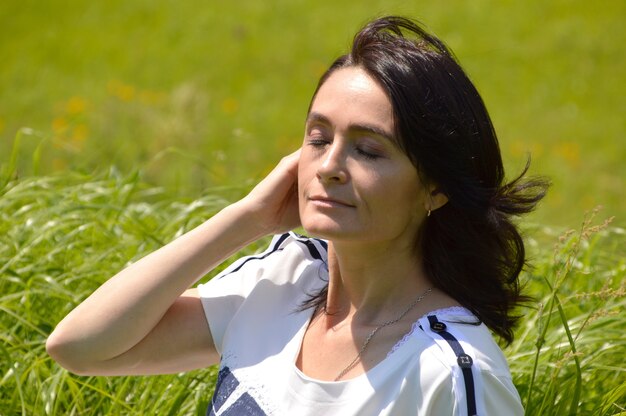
(470,247)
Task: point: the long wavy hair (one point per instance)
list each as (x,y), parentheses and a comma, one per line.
(470,248)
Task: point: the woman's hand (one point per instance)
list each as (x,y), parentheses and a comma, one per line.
(274,201)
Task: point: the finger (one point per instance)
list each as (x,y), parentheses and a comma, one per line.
(291,161)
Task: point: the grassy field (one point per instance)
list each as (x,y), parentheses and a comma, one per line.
(123,124)
(61,236)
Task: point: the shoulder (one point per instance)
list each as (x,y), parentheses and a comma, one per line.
(290,244)
(286,258)
(456,332)
(461,347)
(263,284)
(281,247)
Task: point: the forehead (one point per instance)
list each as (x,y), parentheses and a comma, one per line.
(351,94)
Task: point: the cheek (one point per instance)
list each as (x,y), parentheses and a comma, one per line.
(399,199)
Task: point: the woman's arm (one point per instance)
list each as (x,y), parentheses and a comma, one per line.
(144,320)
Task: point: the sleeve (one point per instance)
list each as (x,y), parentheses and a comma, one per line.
(223,296)
(500,395)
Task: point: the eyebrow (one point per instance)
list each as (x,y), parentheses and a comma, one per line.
(320,118)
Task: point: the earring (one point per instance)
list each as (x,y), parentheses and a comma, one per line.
(428,214)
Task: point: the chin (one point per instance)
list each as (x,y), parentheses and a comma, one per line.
(331,232)
(336,227)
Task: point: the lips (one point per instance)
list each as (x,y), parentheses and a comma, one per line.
(324,200)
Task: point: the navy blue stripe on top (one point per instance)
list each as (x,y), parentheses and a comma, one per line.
(464,361)
(309,243)
(311,246)
(273,248)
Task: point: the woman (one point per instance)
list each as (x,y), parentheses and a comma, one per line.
(387,310)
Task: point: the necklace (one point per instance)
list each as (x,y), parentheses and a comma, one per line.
(378,328)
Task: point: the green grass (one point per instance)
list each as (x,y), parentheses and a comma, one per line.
(62,235)
(567,358)
(123,124)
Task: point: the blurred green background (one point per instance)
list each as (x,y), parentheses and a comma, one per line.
(200,95)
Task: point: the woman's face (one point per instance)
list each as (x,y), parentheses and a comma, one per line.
(354,183)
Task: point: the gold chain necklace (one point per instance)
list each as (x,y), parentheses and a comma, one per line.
(378,328)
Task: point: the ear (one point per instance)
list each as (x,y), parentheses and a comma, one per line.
(435,199)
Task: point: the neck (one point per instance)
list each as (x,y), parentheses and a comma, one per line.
(370,282)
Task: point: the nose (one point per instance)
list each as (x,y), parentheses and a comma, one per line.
(333,164)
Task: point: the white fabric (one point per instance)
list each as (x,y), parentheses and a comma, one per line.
(252,311)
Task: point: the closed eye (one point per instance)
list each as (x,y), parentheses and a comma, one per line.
(316,137)
(366,154)
(317,141)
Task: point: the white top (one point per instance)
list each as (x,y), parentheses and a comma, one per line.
(252,308)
